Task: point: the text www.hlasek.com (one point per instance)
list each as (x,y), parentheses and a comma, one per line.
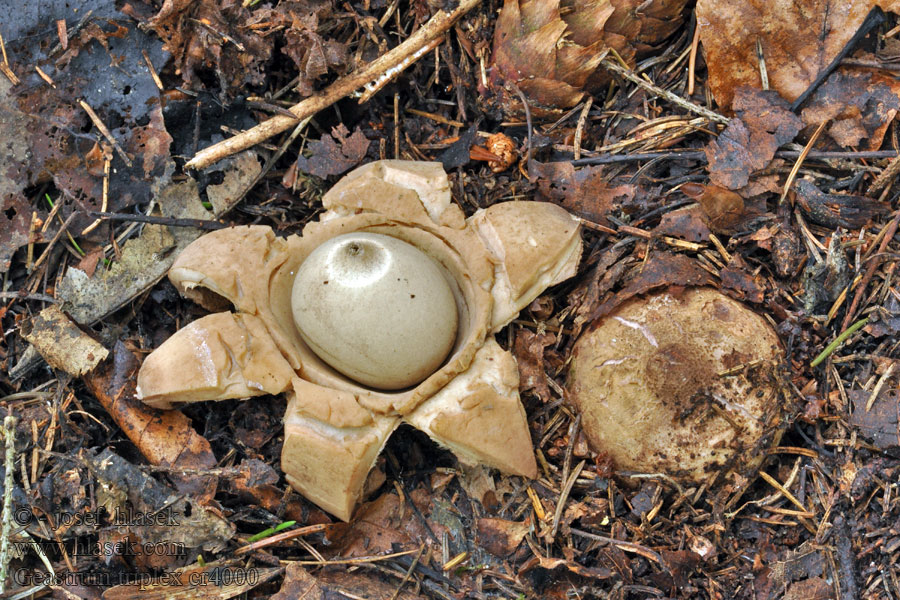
(106,549)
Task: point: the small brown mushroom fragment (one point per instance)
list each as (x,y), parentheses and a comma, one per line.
(660,386)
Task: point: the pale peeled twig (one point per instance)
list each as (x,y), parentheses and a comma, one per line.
(9,436)
(387,65)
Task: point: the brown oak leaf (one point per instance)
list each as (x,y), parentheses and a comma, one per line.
(336,153)
(799,40)
(763,123)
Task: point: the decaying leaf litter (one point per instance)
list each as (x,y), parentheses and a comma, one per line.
(711,144)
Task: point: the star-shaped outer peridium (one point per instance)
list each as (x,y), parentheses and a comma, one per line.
(501,258)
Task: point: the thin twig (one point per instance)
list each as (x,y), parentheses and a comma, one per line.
(281,537)
(799,162)
(701,156)
(889,231)
(409,573)
(655,89)
(761,59)
(5,67)
(26,296)
(105,203)
(32,234)
(397,126)
(527,123)
(9,436)
(198,223)
(886,177)
(71,32)
(355,561)
(579,129)
(43,75)
(434,28)
(564,497)
(692,60)
(784,491)
(152,69)
(63,229)
(572,434)
(95,119)
(270,162)
(626,546)
(878,386)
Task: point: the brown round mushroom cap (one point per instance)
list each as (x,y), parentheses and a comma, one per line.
(660,386)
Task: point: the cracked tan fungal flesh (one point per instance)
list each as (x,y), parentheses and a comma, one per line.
(497,261)
(648,382)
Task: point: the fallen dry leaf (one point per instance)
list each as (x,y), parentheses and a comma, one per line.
(825,280)
(591,512)
(584,192)
(885,323)
(238,39)
(663,269)
(298,583)
(783,241)
(89,263)
(860,105)
(606,274)
(529,353)
(130,492)
(257,482)
(480,483)
(740,282)
(15,209)
(381,526)
(146,259)
(799,39)
(62,344)
(688,223)
(878,424)
(200,34)
(313,54)
(336,153)
(556,570)
(501,537)
(338,585)
(164,437)
(104,67)
(763,123)
(814,588)
(801,563)
(536,49)
(681,565)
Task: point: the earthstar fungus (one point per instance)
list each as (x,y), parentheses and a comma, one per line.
(494,263)
(682,384)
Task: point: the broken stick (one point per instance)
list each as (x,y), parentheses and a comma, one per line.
(384,66)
